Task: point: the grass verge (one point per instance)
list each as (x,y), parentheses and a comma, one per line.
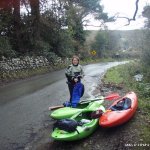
(125,74)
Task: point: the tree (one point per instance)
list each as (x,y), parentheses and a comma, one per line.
(79,13)
(6,28)
(146,14)
(114,40)
(17,44)
(101,43)
(146,45)
(48,25)
(6,17)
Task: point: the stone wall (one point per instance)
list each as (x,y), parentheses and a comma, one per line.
(21,63)
(29,63)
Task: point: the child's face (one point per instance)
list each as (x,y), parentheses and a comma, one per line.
(75,61)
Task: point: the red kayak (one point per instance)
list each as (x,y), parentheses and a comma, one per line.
(120,111)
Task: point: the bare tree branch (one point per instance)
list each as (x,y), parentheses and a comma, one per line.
(136,4)
(102,25)
(117,16)
(134,16)
(90,25)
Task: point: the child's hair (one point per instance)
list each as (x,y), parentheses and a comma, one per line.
(76,58)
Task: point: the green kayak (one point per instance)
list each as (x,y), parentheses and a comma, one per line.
(67,112)
(82,131)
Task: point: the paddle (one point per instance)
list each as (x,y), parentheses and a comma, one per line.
(109,97)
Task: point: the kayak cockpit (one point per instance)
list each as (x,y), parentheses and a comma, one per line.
(123,104)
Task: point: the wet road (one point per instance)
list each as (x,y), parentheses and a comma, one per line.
(24,104)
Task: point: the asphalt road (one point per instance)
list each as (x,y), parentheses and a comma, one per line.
(24,104)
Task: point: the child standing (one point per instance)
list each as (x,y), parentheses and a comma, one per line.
(74,73)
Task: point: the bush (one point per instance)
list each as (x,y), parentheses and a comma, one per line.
(146,49)
(5,48)
(42,48)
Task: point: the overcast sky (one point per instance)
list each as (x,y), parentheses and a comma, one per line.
(125,8)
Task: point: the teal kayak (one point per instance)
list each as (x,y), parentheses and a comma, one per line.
(82,131)
(68,112)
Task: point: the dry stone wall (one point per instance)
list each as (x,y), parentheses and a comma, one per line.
(29,63)
(15,64)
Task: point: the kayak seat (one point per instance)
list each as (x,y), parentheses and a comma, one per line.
(89,116)
(85,118)
(68,125)
(123,104)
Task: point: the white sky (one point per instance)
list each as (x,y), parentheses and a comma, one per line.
(125,8)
